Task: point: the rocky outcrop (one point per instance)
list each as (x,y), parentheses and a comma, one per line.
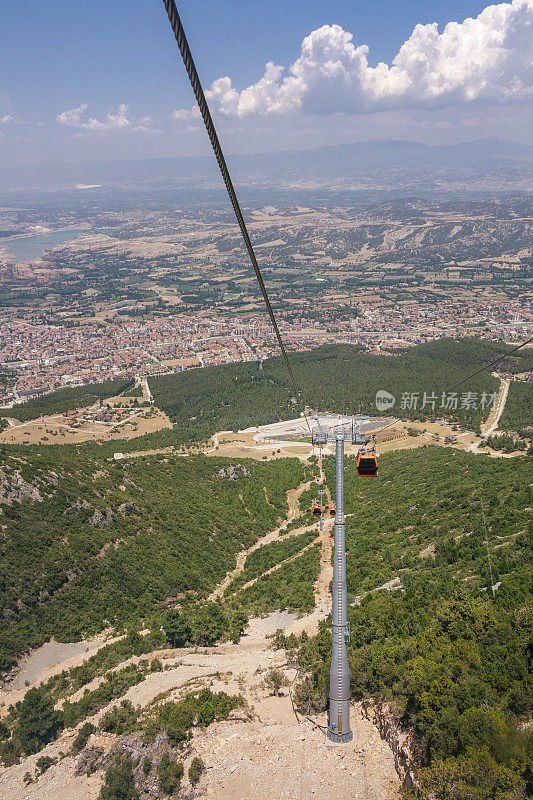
(128,482)
(408,753)
(101,518)
(233,473)
(14,489)
(127,508)
(74,508)
(104,749)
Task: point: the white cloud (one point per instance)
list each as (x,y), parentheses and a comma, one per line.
(72,117)
(7,118)
(186,113)
(488,58)
(114,121)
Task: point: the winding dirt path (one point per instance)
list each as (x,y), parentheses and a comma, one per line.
(309,623)
(296,532)
(293,503)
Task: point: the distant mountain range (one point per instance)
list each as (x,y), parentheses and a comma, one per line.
(484,165)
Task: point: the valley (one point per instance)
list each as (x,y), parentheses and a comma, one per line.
(267,739)
(166,594)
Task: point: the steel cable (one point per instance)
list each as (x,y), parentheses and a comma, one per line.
(183,44)
(472,375)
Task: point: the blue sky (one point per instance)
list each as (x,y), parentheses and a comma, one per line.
(102,79)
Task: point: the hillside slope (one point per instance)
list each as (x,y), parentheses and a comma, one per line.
(454,662)
(87,543)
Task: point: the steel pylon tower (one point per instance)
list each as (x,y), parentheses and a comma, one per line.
(339,731)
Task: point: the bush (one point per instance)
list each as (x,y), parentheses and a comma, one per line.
(170,774)
(274,680)
(204,626)
(44,763)
(474,776)
(119,782)
(38,722)
(120,719)
(83,736)
(195,770)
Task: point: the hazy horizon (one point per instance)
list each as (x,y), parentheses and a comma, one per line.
(277,79)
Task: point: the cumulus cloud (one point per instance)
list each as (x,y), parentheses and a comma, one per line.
(113,122)
(7,118)
(487,58)
(186,113)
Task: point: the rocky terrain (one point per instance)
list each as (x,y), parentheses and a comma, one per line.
(267,752)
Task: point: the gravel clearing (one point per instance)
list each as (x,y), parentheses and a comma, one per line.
(34,667)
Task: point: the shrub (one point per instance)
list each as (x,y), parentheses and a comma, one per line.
(274,680)
(38,722)
(119,782)
(83,736)
(44,763)
(195,770)
(473,776)
(120,719)
(170,774)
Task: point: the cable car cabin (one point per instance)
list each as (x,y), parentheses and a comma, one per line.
(332,510)
(367,465)
(317,511)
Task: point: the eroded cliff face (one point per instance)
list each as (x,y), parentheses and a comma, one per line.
(408,753)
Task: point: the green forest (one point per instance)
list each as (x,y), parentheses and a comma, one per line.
(454,661)
(341,378)
(235,396)
(90,542)
(518,412)
(67,398)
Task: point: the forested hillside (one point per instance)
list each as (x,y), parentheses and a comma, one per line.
(518,412)
(87,543)
(340,378)
(67,398)
(454,662)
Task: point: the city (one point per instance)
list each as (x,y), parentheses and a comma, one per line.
(43,357)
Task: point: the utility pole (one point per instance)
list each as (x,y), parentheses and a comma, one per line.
(339,731)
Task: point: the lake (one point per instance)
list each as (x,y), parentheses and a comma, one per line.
(26,248)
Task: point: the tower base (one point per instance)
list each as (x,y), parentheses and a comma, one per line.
(338,739)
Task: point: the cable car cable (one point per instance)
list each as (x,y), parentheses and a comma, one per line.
(490,364)
(473,374)
(183,44)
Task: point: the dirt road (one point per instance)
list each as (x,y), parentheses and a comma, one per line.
(293,498)
(491,424)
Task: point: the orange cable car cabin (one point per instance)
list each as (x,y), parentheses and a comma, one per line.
(316,510)
(367,465)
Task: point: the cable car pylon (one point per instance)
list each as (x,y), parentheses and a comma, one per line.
(339,731)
